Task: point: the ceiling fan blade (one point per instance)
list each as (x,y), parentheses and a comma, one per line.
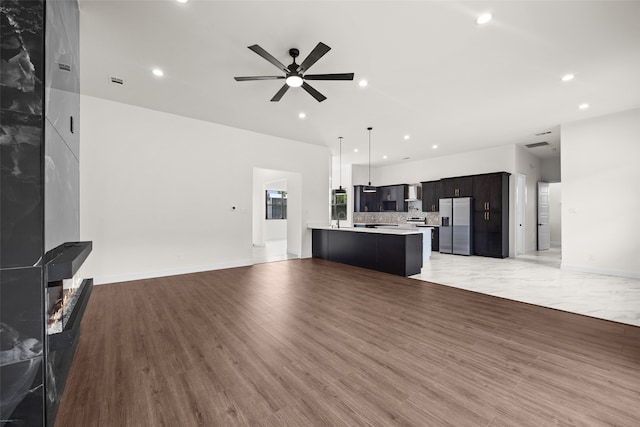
(244,79)
(281,92)
(317,95)
(317,53)
(343,76)
(266,55)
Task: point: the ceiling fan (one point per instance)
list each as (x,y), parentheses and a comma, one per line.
(294,73)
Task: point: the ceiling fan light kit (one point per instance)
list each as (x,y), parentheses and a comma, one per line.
(294,73)
(294,81)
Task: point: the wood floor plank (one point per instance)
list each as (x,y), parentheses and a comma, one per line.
(310,342)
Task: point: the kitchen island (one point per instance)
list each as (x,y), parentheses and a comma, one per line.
(395,251)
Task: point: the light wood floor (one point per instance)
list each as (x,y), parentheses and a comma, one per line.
(310,342)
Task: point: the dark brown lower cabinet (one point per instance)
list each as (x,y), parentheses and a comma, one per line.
(435,239)
(389,253)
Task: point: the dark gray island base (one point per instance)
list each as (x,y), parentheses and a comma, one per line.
(390,251)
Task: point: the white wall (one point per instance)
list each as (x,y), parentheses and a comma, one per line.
(555,214)
(157,190)
(600,201)
(495,159)
(528,164)
(550,169)
(275,229)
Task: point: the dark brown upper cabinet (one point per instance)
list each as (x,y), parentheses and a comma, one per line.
(364,202)
(431,193)
(391,198)
(457,187)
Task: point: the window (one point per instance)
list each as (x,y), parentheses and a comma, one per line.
(276,202)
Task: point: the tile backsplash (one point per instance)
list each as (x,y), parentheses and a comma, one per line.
(394,217)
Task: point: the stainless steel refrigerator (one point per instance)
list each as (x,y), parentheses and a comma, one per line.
(455,226)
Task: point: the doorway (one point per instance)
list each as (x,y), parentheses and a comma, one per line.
(544,233)
(276,215)
(549,215)
(555,215)
(521,209)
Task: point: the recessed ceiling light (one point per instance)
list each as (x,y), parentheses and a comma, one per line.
(407,137)
(583,106)
(484,18)
(384,157)
(157,72)
(182,1)
(302,115)
(363,83)
(355,150)
(434,146)
(567,77)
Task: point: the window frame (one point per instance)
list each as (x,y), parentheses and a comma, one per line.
(282,205)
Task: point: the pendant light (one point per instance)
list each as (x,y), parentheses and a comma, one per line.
(340,190)
(369,188)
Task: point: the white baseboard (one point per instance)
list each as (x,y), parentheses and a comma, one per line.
(171,272)
(606,272)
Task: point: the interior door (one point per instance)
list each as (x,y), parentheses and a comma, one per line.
(544,234)
(521,206)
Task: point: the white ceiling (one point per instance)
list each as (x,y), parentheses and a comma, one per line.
(433,73)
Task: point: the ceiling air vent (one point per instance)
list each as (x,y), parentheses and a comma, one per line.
(543,133)
(537,144)
(116,80)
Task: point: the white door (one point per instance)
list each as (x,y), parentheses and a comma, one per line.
(521,208)
(544,235)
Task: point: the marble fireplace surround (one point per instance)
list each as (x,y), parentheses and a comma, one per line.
(39,206)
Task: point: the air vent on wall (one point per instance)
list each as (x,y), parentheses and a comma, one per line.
(116,80)
(537,144)
(543,133)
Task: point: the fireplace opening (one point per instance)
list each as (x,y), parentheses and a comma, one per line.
(62,297)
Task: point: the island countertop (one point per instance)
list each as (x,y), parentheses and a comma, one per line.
(396,231)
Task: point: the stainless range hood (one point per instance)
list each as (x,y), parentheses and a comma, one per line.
(415,193)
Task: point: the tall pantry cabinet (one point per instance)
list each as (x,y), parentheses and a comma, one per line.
(491,214)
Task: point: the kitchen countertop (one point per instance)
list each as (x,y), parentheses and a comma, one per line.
(373,223)
(397,231)
(408,224)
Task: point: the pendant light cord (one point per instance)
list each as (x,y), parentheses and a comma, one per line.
(369,129)
(340,138)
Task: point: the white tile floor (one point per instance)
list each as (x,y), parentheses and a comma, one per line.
(537,279)
(274,250)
